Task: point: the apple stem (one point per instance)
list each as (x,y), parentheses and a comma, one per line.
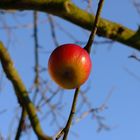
(94,28)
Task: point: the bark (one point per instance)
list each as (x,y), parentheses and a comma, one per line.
(69,11)
(21,92)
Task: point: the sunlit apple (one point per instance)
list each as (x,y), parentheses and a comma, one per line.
(69,66)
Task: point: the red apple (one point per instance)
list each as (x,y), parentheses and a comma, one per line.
(69,66)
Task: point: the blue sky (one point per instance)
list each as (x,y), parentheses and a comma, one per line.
(112,71)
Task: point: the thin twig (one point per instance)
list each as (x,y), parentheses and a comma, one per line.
(69,122)
(73,109)
(134,56)
(53,30)
(36,53)
(94,28)
(21,124)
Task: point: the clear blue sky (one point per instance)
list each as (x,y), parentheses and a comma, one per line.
(112,69)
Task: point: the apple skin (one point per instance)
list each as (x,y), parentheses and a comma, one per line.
(69,66)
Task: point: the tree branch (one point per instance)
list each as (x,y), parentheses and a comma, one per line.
(36,55)
(94,28)
(21,124)
(69,11)
(65,131)
(21,92)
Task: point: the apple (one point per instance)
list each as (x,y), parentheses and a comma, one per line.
(69,66)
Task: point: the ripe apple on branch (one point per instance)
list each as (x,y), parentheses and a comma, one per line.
(69,66)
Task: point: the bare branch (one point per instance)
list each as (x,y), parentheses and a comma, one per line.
(21,124)
(36,54)
(53,30)
(65,131)
(21,91)
(94,28)
(67,10)
(134,56)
